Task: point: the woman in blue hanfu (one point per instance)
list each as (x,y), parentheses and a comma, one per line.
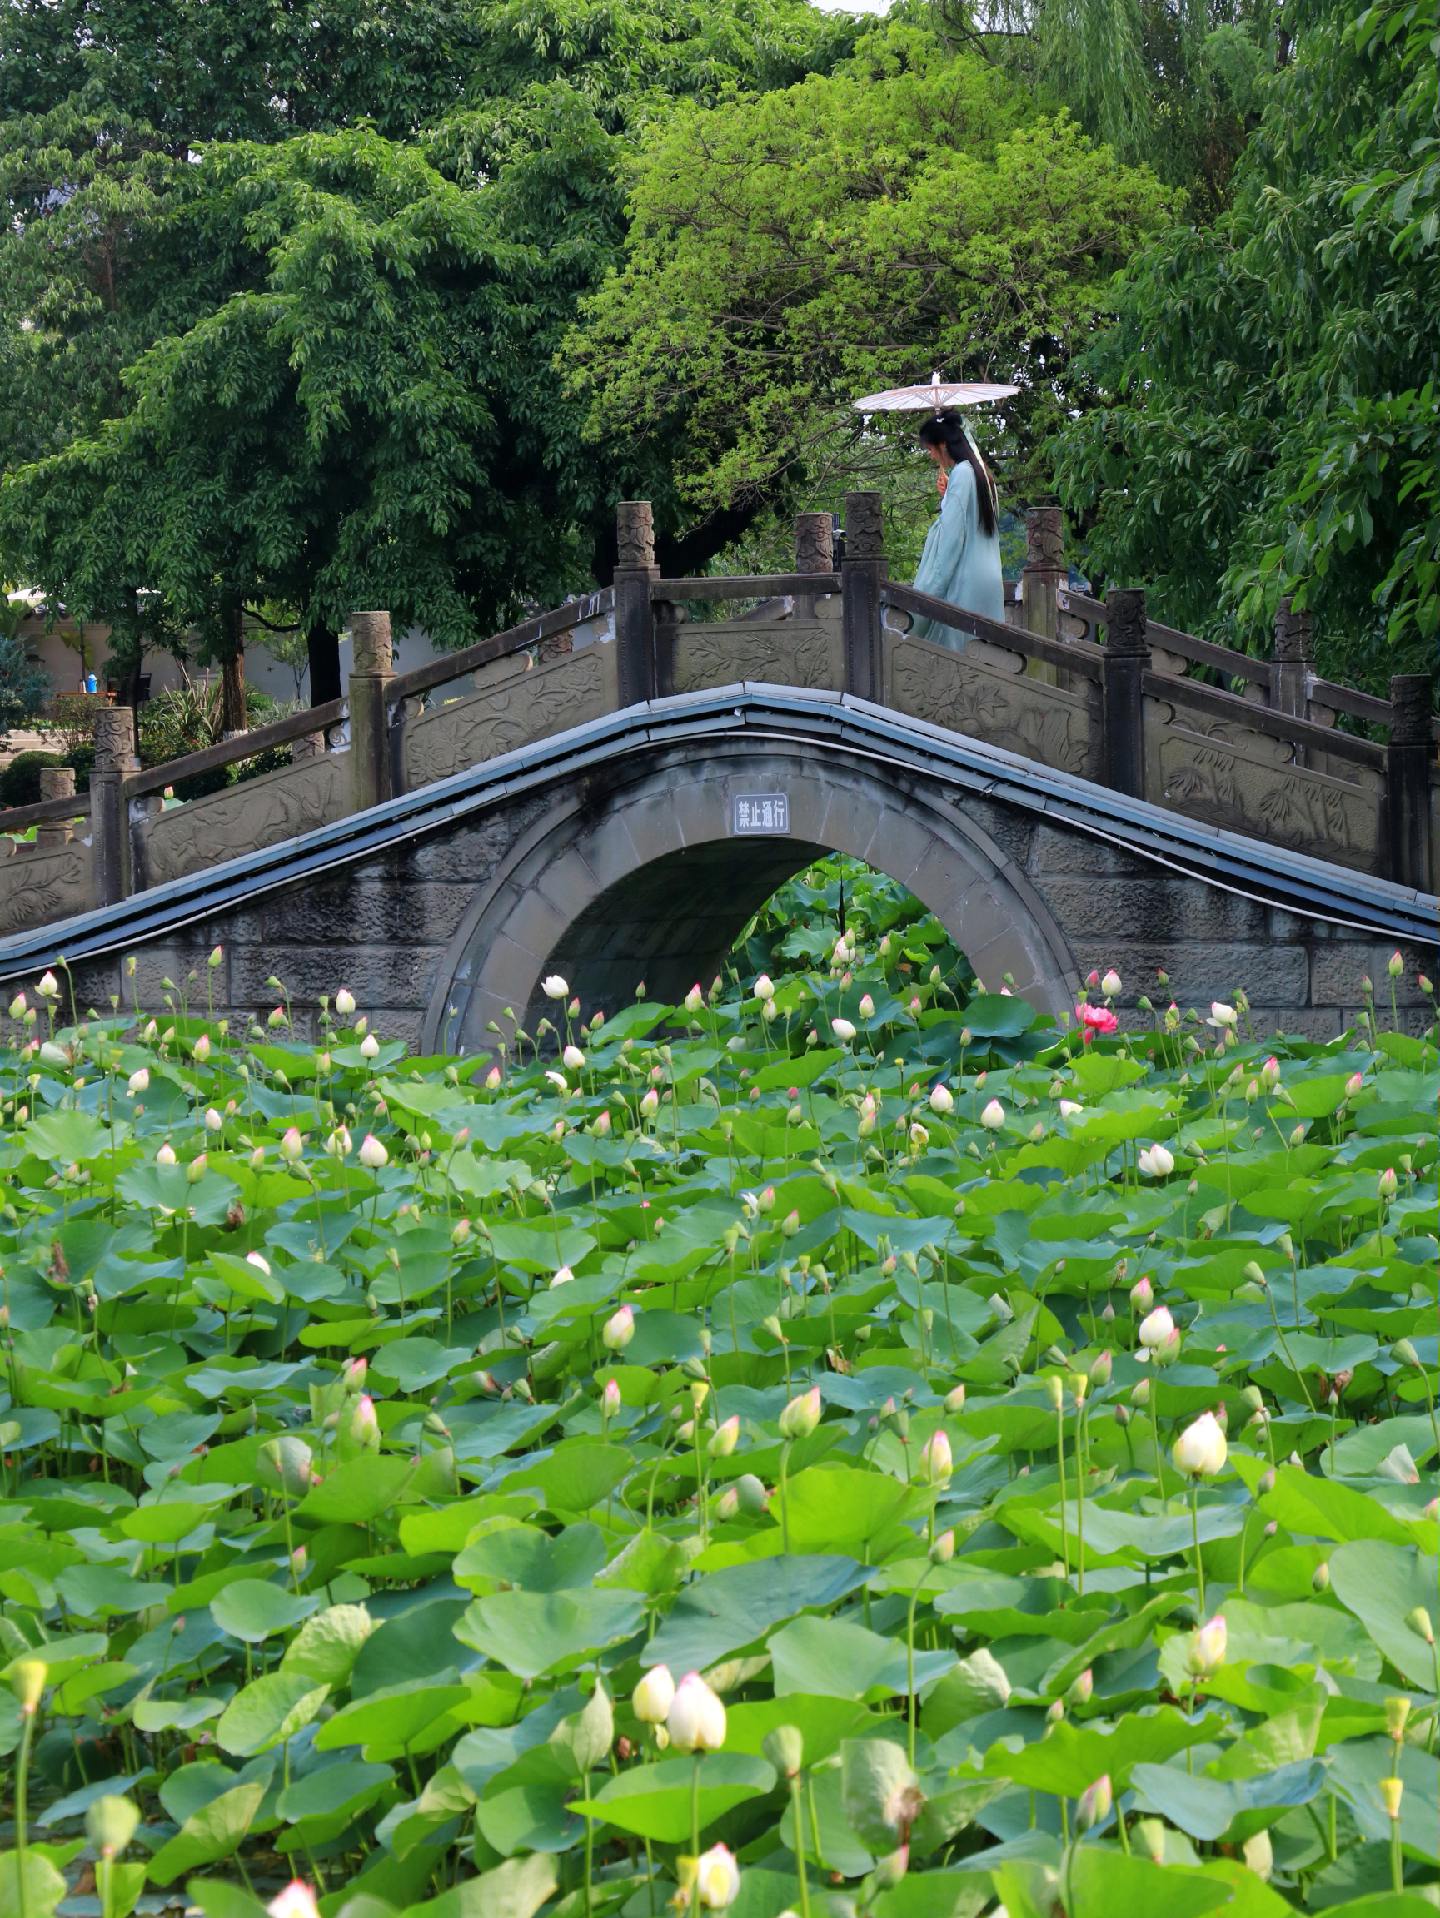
(961,560)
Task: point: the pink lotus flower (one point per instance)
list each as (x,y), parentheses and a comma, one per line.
(1096,1019)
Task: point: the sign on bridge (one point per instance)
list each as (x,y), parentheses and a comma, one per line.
(761,813)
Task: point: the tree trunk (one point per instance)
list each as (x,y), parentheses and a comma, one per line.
(322,643)
(232,671)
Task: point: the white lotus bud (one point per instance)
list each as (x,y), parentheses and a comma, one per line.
(372,1154)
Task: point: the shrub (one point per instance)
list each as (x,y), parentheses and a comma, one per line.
(20,780)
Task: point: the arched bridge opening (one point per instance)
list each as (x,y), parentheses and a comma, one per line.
(649,874)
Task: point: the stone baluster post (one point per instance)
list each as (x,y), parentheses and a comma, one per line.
(1294,661)
(814,553)
(635,570)
(1045,573)
(56,782)
(372,667)
(862,572)
(1408,761)
(1122,690)
(115,760)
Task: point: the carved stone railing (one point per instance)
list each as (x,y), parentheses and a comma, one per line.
(1092,688)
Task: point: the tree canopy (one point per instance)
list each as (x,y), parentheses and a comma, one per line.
(315,364)
(790,250)
(1271,387)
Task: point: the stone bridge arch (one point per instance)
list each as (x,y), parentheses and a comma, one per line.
(638,873)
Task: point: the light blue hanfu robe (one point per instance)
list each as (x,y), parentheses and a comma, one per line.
(960,563)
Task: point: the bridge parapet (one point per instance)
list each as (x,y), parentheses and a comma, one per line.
(1092,688)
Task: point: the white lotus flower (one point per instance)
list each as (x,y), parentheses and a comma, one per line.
(653,1696)
(942,1099)
(1157,1328)
(369,1046)
(138,1081)
(344,1002)
(764,988)
(1156,1161)
(1200,1451)
(372,1155)
(993,1117)
(843,1030)
(554,987)
(1222,1016)
(572,1058)
(296,1901)
(696,1719)
(717,1878)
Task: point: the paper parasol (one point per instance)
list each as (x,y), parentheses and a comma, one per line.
(932,396)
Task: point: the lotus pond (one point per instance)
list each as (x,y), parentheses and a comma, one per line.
(842,1445)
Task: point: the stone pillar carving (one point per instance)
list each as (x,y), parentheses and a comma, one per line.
(115,760)
(1294,661)
(814,543)
(1044,573)
(635,570)
(307,746)
(1122,690)
(814,553)
(56,782)
(371,670)
(1409,758)
(862,573)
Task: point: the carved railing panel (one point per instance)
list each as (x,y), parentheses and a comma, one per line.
(986,693)
(518,704)
(40,883)
(799,651)
(1249,782)
(259,812)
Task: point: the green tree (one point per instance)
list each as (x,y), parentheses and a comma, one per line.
(1174,84)
(196,395)
(791,250)
(1269,416)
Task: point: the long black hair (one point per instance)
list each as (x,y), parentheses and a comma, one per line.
(947,429)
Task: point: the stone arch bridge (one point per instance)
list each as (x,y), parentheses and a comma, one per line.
(610,790)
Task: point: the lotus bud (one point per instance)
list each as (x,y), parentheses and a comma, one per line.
(955,1399)
(292,1146)
(724,1438)
(28,1680)
(166,1154)
(785,1749)
(110,1824)
(372,1154)
(1420,1621)
(801,1415)
(554,987)
(1387,1185)
(1392,1790)
(942,1100)
(289,1463)
(942,1548)
(696,1719)
(610,1399)
(1096,1803)
(993,1116)
(1200,1450)
(1156,1328)
(1055,1711)
(618,1329)
(363,1428)
(1142,1295)
(752,1494)
(936,1465)
(1100,1369)
(1207,1648)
